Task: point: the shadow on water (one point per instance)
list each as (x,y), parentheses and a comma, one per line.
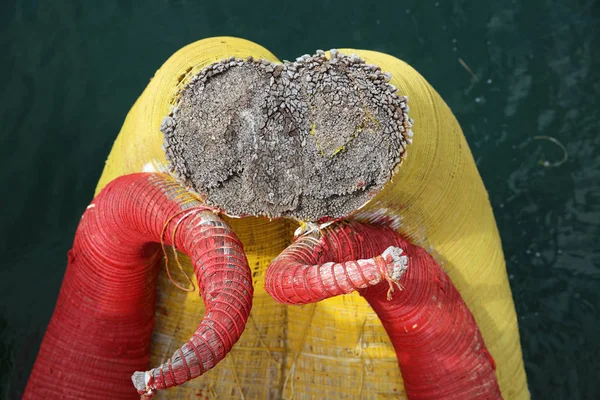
(71,70)
(7,362)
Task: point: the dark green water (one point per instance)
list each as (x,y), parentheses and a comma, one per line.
(70,71)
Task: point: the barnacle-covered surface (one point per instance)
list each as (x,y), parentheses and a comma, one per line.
(309,139)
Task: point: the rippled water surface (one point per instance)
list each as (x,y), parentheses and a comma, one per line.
(70,71)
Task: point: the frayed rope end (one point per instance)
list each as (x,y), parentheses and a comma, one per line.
(142,381)
(393,265)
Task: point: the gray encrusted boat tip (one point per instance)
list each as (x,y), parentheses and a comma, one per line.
(305,139)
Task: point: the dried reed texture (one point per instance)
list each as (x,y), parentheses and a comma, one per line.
(439,347)
(336,348)
(101,328)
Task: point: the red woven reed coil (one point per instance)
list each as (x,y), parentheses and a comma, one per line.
(440,349)
(101,328)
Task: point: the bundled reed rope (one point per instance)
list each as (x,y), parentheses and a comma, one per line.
(440,349)
(100,331)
